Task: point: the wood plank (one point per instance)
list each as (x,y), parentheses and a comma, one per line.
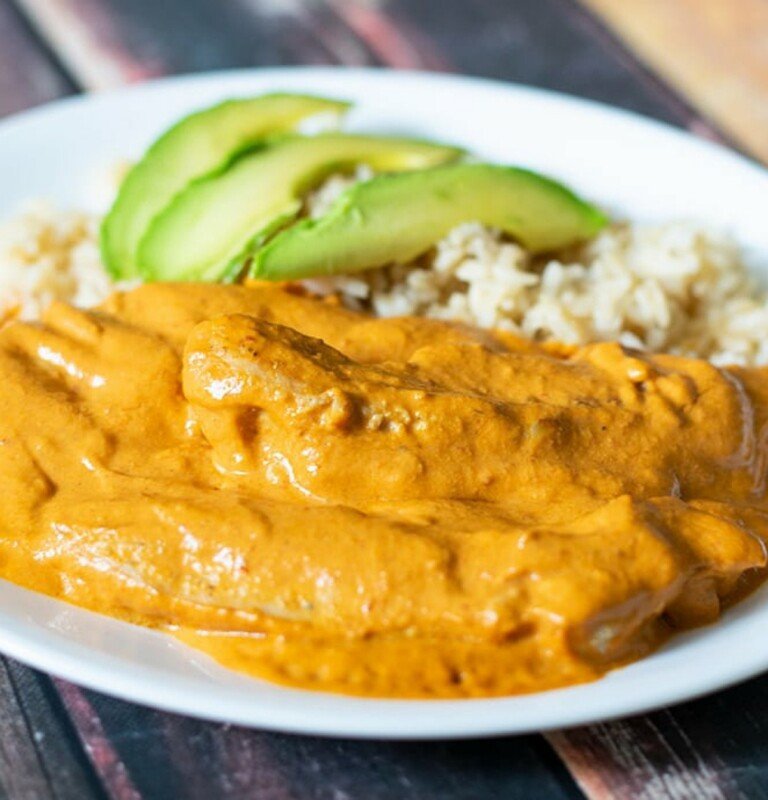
(108,43)
(710,748)
(394,43)
(27,74)
(22,774)
(172,756)
(87,41)
(58,749)
(553,44)
(633,758)
(713,51)
(39,757)
(549,43)
(114,776)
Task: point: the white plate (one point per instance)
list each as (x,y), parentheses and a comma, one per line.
(636,167)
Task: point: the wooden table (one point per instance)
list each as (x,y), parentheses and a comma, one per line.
(698,64)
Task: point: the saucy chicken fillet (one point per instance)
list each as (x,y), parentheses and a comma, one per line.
(390,507)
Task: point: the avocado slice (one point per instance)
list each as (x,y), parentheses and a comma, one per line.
(394,218)
(198,145)
(210,229)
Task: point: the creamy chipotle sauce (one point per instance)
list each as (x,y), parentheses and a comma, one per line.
(392,507)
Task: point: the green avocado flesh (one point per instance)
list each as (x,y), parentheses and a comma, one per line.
(198,145)
(210,229)
(395,218)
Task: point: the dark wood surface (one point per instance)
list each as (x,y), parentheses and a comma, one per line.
(59,741)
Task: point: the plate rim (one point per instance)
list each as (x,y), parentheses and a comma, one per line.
(33,650)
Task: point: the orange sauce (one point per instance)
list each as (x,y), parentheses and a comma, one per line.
(396,507)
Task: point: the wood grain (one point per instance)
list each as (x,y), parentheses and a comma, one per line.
(39,758)
(97,745)
(549,43)
(394,43)
(27,74)
(710,748)
(170,756)
(553,44)
(108,43)
(21,770)
(85,38)
(714,51)
(633,758)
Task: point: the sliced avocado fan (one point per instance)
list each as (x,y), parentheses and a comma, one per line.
(395,218)
(209,230)
(198,145)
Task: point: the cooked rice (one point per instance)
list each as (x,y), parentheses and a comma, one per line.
(319,201)
(676,287)
(47,254)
